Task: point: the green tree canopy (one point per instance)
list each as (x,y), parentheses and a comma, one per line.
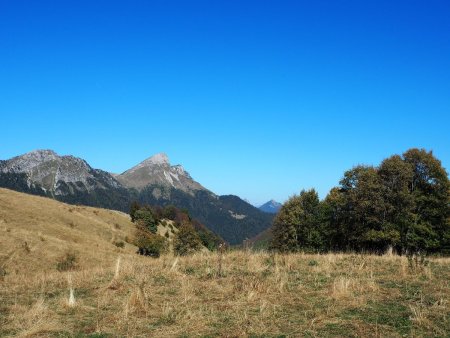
(298,223)
(403,203)
(187,240)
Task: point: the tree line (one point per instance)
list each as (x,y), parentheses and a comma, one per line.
(402,204)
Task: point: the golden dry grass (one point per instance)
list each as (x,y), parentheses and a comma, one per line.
(35,232)
(258,294)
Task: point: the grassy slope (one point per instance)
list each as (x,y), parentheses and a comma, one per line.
(51,228)
(258,294)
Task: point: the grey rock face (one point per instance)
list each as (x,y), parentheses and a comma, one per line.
(53,173)
(157,170)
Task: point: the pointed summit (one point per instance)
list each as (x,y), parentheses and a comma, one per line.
(157,160)
(160,158)
(157,170)
(271,207)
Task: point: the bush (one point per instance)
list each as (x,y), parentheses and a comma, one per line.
(119,244)
(2,273)
(313,263)
(150,244)
(187,241)
(170,212)
(67,262)
(146,218)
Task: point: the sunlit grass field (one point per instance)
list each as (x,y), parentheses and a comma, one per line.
(253,294)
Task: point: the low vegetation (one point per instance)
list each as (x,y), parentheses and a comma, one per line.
(255,294)
(37,233)
(67,262)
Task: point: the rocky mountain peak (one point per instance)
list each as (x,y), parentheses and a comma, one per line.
(271,207)
(50,172)
(157,170)
(41,153)
(158,159)
(28,161)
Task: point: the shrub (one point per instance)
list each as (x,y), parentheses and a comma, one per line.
(67,262)
(146,219)
(119,244)
(150,244)
(2,273)
(133,209)
(187,240)
(26,247)
(170,212)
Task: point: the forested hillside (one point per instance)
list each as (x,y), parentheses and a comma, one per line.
(228,216)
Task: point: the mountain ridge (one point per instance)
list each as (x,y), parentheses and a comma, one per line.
(153,181)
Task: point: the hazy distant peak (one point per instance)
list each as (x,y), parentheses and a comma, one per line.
(271,207)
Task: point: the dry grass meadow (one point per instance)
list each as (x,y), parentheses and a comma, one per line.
(115,293)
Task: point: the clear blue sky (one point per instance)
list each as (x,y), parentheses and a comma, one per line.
(255,98)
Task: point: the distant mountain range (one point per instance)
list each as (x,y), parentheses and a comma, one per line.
(271,207)
(154,181)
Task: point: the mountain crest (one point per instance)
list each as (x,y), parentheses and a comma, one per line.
(160,158)
(154,181)
(157,170)
(271,207)
(48,172)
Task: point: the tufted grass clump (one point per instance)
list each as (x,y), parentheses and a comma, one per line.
(67,262)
